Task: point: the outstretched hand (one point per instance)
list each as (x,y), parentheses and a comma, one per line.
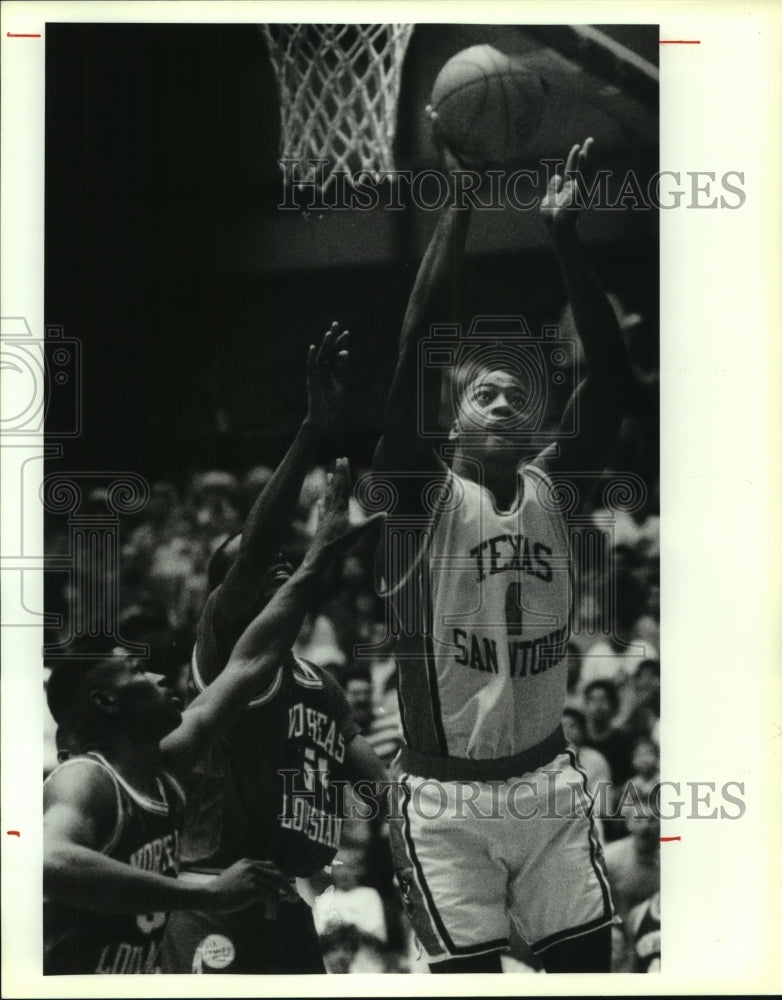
(326,371)
(447,156)
(245,882)
(561,207)
(335,532)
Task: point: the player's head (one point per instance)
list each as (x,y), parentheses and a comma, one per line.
(106,691)
(492,397)
(276,576)
(277,573)
(601,702)
(646,681)
(358,693)
(646,757)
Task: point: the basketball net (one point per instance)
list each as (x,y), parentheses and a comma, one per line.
(338,86)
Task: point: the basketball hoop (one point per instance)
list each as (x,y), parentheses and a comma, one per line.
(338,86)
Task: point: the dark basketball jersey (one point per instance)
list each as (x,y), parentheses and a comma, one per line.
(146,836)
(272,788)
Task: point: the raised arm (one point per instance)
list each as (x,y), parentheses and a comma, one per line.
(259,650)
(400,447)
(271,513)
(602,397)
(80,810)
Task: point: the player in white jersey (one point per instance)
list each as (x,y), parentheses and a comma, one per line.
(476,568)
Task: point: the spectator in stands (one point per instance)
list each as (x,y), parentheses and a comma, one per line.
(350,900)
(646,765)
(643,931)
(601,704)
(592,761)
(384,736)
(214,502)
(644,702)
(633,872)
(358,691)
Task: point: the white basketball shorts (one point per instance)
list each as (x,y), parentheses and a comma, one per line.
(471,856)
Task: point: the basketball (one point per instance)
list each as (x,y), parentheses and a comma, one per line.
(489,105)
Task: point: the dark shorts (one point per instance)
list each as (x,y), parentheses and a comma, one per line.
(250,941)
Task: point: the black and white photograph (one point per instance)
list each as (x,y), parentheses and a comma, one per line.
(363,530)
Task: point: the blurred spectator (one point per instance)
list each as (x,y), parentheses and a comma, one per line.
(643,931)
(644,700)
(346,950)
(177,565)
(634,875)
(349,901)
(592,761)
(384,736)
(615,657)
(161,517)
(601,704)
(646,764)
(636,530)
(358,691)
(634,863)
(214,500)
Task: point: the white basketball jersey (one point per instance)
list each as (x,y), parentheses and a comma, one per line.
(481,677)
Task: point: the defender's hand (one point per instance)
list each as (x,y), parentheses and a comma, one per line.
(560,208)
(246,882)
(335,532)
(326,370)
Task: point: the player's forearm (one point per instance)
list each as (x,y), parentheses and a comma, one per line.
(604,349)
(272,510)
(363,764)
(80,877)
(436,273)
(435,287)
(274,630)
(251,667)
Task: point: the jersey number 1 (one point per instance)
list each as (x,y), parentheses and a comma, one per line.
(513,622)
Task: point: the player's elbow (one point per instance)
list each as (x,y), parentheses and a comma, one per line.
(246,673)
